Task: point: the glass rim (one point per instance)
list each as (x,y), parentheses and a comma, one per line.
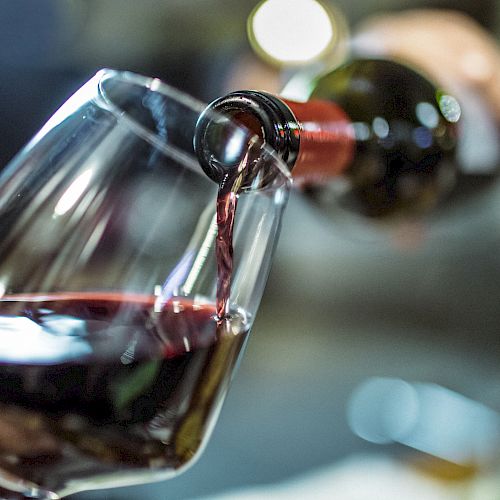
(155,84)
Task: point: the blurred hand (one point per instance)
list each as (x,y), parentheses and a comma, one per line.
(449,46)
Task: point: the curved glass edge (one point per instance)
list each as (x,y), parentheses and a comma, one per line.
(102,99)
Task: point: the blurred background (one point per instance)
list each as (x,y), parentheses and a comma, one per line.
(373,369)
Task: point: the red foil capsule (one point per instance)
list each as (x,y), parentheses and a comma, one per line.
(327,141)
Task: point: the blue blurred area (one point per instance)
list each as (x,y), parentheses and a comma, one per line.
(31,33)
(36,76)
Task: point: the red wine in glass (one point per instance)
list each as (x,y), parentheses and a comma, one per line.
(92,381)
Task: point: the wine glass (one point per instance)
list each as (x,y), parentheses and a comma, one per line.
(113,360)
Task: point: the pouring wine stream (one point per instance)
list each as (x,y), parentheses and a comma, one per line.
(227,201)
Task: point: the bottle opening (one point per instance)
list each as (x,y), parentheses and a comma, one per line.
(251,122)
(262,117)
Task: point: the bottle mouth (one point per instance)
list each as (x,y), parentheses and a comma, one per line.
(261,116)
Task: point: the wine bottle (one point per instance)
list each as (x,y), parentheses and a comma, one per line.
(382,132)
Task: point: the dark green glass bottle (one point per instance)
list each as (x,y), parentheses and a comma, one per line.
(376,133)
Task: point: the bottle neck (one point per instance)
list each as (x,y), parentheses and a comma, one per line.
(327,141)
(315,138)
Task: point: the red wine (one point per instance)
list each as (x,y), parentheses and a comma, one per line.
(227,201)
(93,383)
(226,210)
